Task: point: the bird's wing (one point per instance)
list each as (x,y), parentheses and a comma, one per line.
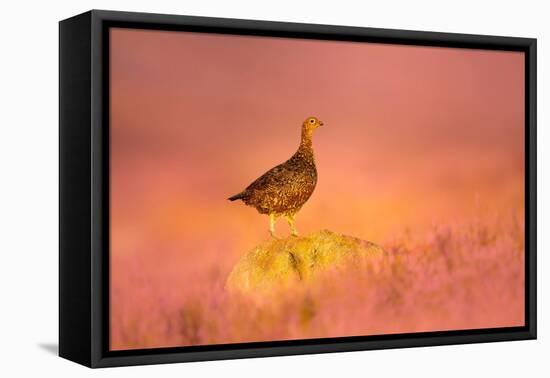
(276,176)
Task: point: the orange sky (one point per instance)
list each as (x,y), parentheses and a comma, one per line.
(413,135)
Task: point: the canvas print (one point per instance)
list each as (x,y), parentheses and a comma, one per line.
(271,189)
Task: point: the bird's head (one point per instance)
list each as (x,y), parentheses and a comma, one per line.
(311,123)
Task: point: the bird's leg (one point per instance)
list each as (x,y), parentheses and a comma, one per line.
(272,220)
(290,220)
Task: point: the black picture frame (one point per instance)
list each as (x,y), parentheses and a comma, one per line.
(84,188)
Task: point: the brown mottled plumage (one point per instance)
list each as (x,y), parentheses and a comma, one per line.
(284,189)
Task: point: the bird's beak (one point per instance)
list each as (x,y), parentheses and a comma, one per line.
(321,123)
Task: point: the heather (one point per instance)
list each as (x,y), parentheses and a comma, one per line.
(465,276)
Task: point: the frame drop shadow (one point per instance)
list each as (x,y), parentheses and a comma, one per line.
(51,348)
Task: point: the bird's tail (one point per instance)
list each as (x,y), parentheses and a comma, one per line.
(238,196)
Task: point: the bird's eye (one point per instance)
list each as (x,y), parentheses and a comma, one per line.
(311,120)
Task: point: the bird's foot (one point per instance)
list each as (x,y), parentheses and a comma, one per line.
(290,220)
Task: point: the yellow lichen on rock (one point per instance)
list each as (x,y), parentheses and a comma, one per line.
(280,263)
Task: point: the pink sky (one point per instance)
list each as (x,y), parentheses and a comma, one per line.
(412,133)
